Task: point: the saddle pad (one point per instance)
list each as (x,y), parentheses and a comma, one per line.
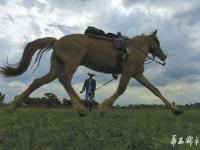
(95,31)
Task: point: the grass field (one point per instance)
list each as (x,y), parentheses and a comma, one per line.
(121,129)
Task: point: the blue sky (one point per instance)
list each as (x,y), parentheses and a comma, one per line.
(178,24)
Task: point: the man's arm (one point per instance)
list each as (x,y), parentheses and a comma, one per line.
(84,85)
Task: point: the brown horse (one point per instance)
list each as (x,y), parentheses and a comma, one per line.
(74,50)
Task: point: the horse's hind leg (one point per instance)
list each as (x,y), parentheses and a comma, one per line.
(65,80)
(71,51)
(54,72)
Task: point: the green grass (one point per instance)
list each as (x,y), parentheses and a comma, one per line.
(121,129)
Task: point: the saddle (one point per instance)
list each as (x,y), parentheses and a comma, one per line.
(119,42)
(93,30)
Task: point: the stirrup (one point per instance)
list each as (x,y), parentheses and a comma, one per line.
(125,56)
(115,76)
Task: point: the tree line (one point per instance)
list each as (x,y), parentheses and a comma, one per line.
(50,99)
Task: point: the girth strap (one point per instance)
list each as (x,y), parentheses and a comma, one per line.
(122,56)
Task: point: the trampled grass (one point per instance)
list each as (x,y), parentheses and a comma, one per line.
(121,129)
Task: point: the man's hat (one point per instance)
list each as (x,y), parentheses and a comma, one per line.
(91,74)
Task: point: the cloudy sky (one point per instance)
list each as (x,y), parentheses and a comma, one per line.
(178,24)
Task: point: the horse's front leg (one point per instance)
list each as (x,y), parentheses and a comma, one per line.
(128,71)
(141,78)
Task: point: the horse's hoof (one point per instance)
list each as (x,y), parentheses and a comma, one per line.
(177,112)
(11,109)
(82,115)
(102,110)
(82,111)
(102,113)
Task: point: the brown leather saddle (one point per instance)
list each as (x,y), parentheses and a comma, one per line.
(119,42)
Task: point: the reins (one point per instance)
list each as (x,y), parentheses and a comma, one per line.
(151,58)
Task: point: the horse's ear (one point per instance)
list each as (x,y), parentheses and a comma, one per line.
(154,32)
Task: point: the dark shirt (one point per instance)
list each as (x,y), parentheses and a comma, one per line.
(87,85)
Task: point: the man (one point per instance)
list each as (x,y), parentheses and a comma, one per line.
(90,87)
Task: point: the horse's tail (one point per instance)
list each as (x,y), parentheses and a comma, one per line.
(43,44)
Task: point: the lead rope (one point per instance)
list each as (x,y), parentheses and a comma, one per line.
(105,84)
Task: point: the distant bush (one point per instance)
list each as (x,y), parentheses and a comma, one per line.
(2,98)
(53,101)
(43,101)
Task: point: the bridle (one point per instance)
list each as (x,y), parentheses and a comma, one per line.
(151,58)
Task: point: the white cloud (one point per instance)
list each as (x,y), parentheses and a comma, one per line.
(145,8)
(194,34)
(17,84)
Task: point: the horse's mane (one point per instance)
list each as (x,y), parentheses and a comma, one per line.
(143,35)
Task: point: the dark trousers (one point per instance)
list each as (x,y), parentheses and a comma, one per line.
(89,100)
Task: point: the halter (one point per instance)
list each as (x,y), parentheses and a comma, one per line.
(151,58)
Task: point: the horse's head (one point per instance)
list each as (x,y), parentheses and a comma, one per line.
(154,47)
